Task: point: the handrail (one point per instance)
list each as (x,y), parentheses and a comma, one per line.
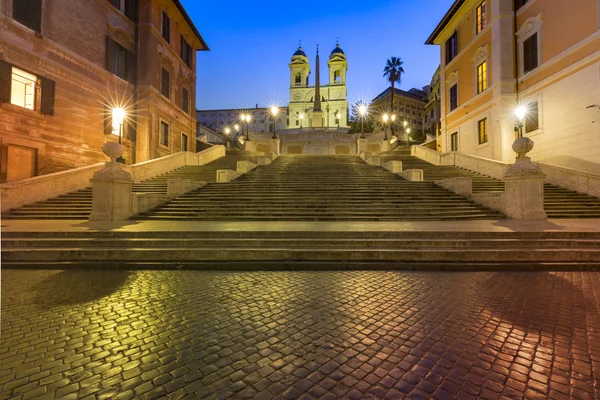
(38,188)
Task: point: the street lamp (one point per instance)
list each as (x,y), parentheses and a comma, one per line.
(274,112)
(237,129)
(301,116)
(362,110)
(393,117)
(227,132)
(338,116)
(521,113)
(386,118)
(404,129)
(246,118)
(407,133)
(118,117)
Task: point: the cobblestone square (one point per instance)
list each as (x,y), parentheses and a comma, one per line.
(308,335)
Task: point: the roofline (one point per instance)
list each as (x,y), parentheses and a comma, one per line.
(438,29)
(238,109)
(191,24)
(399,92)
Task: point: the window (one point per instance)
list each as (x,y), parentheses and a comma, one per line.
(452,47)
(186,52)
(164,134)
(481,19)
(297,122)
(23,87)
(166,27)
(127,7)
(119,60)
(28,13)
(184,142)
(165,84)
(27,90)
(482,130)
(532,120)
(298,79)
(530,53)
(185,100)
(454,141)
(454,97)
(336,76)
(482,77)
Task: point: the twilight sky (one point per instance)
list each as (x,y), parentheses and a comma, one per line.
(252,42)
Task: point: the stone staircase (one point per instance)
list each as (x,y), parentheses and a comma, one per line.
(559,202)
(326,188)
(78,204)
(257,249)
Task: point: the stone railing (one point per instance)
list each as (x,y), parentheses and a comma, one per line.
(579,181)
(151,168)
(485,166)
(25,191)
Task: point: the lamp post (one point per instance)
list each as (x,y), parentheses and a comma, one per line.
(274,112)
(337,117)
(246,118)
(393,118)
(386,118)
(301,116)
(404,129)
(362,110)
(520,112)
(237,129)
(118,117)
(227,132)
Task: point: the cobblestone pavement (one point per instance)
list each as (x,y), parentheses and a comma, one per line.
(325,335)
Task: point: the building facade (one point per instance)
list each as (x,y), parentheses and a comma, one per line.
(497,55)
(432,111)
(334,104)
(65,65)
(261,119)
(408,107)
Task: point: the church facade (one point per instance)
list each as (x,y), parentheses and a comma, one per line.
(333,105)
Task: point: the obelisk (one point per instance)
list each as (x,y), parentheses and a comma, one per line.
(317,115)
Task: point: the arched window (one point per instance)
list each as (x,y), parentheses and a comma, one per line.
(336,76)
(298,78)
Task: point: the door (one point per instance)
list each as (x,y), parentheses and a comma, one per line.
(21,162)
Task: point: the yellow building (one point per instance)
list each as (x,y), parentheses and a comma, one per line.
(556,63)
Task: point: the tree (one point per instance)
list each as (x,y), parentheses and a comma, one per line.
(393,73)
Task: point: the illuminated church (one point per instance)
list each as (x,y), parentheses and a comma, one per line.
(318,106)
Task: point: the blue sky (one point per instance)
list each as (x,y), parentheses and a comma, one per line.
(252,42)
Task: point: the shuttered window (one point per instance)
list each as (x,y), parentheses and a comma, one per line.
(185,100)
(25,89)
(482,130)
(530,53)
(165,85)
(29,13)
(454,97)
(164,134)
(127,7)
(452,47)
(119,60)
(166,27)
(186,52)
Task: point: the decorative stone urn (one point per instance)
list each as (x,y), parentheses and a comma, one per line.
(524,185)
(111,188)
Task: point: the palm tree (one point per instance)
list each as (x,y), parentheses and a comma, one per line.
(393,72)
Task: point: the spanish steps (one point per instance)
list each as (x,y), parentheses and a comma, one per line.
(325,188)
(316,188)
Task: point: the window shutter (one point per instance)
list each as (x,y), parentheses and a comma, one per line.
(131,72)
(47,106)
(29,13)
(131,7)
(5,81)
(131,131)
(110,55)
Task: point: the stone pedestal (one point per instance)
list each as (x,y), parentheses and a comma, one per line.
(275,146)
(111,189)
(524,185)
